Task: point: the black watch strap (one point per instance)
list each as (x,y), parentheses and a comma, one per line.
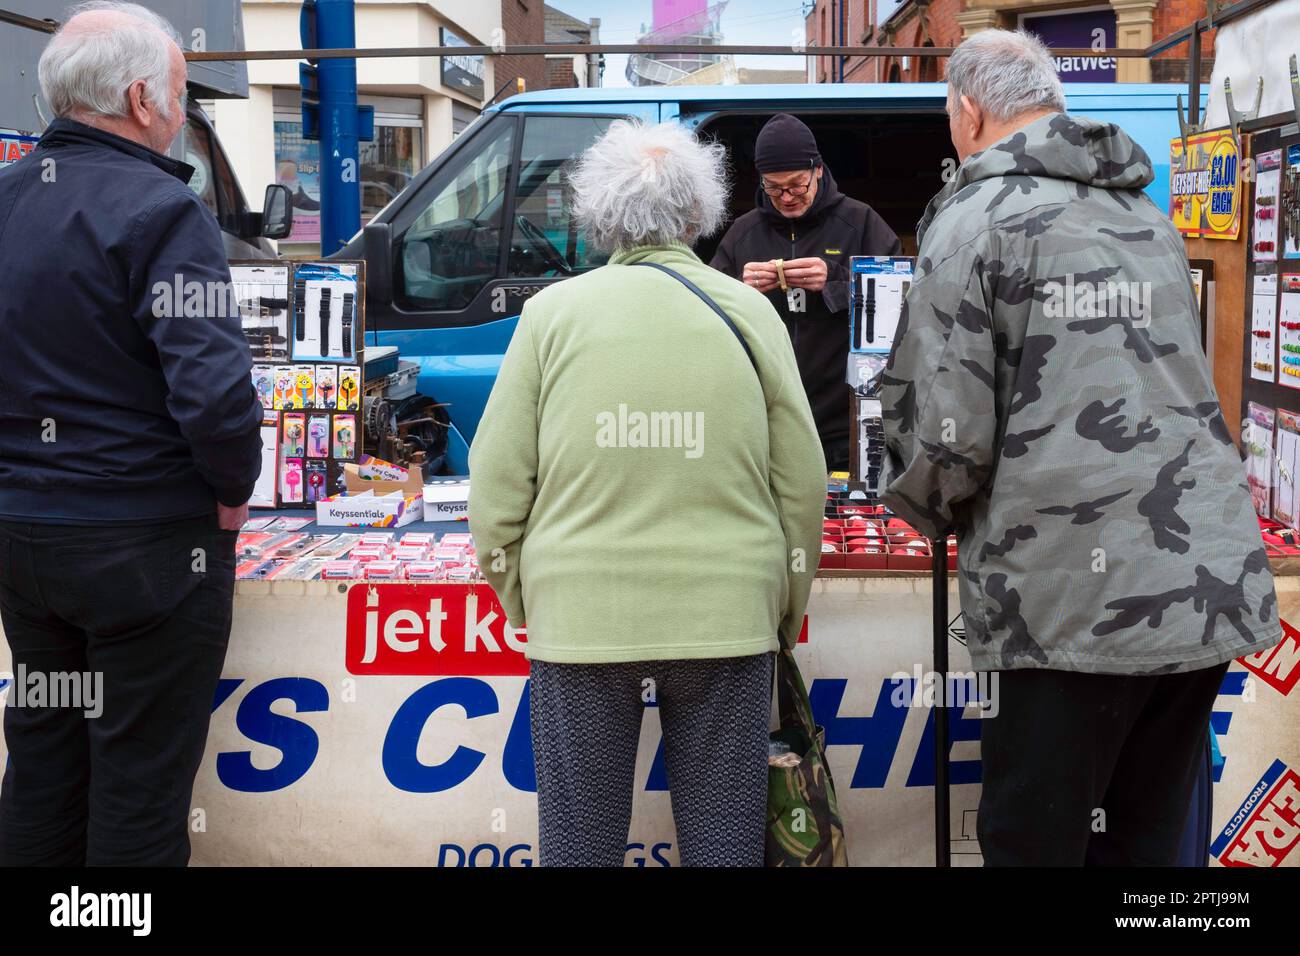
(325,296)
(348,299)
(300,310)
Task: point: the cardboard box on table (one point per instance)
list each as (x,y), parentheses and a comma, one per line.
(378,495)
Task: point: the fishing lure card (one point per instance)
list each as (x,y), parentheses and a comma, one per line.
(1257,437)
(1263,329)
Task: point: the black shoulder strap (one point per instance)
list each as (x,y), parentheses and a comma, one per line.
(707,301)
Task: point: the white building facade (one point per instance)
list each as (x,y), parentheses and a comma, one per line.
(420,104)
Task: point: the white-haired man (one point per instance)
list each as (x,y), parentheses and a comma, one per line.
(128,450)
(1110,563)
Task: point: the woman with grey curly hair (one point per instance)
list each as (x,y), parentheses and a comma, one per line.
(646,497)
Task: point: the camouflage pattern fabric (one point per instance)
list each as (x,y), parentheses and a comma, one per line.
(1048,399)
(803,818)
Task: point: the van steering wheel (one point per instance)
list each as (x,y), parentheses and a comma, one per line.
(544,246)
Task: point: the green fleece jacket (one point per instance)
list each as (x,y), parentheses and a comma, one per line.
(637,492)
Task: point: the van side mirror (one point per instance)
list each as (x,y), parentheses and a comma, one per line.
(277,212)
(377,239)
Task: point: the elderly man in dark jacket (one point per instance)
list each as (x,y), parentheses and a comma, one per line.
(129,445)
(802,219)
(1047,398)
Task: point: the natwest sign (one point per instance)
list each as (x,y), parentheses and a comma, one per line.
(1091,30)
(433,629)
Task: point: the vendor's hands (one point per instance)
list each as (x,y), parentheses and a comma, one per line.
(232,519)
(809,273)
(760,275)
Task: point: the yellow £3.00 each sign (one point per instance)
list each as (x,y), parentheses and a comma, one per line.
(1205,185)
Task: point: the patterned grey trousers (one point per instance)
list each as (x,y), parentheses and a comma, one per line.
(586,721)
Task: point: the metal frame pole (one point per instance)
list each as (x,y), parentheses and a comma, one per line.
(942,814)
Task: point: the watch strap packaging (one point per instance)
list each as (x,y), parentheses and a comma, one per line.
(878,287)
(326,329)
(261,295)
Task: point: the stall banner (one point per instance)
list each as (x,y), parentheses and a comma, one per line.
(14,146)
(389,724)
(1266,827)
(1278,666)
(1205,185)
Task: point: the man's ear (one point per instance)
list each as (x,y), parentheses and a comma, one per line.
(973,116)
(136,99)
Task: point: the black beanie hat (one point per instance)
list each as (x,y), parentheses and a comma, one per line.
(785,143)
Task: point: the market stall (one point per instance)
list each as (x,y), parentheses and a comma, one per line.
(373,707)
(387,723)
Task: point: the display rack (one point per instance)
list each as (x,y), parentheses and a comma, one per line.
(304,322)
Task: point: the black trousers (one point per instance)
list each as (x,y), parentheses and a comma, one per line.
(148,607)
(1091,769)
(836,453)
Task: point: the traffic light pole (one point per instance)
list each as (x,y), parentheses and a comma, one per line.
(330,114)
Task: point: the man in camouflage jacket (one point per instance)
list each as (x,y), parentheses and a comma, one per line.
(1047,398)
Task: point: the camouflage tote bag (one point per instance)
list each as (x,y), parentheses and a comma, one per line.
(803,818)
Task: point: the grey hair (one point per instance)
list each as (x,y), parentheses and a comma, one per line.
(645,184)
(88,73)
(1007,73)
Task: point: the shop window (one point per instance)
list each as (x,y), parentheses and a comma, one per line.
(545,241)
(452,248)
(386,163)
(297,165)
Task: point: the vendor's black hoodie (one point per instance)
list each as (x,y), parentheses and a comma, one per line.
(834,228)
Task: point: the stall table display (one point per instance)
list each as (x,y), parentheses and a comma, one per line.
(373,708)
(387,723)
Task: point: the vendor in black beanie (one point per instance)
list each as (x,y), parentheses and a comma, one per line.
(802,220)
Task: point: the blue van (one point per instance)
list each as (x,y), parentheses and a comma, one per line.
(451,260)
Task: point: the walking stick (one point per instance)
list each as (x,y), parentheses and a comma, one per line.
(939,581)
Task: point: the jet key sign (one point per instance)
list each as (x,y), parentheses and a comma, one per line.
(431,629)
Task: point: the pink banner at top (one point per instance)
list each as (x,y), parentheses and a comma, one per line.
(683,15)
